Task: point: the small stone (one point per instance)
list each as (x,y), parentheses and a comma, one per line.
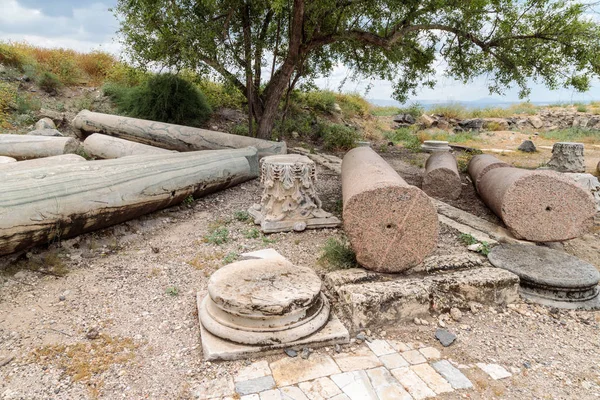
(62,298)
(456,314)
(495,371)
(476,247)
(445,337)
(527,146)
(155,250)
(361,336)
(305,353)
(291,352)
(338,348)
(92,333)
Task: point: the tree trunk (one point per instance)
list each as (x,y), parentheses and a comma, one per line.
(170,136)
(69,200)
(23,147)
(103,146)
(41,163)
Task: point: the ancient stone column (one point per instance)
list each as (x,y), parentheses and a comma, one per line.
(24,147)
(263,302)
(107,147)
(541,206)
(392,226)
(432,146)
(481,164)
(567,157)
(441,176)
(290,200)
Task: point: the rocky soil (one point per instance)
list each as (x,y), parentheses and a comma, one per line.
(112,314)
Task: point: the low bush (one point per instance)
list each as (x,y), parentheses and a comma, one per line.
(7,97)
(220,95)
(49,82)
(318,100)
(165,97)
(406,136)
(353,104)
(339,137)
(450,110)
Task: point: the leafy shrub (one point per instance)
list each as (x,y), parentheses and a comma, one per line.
(125,75)
(218,235)
(25,103)
(220,95)
(415,109)
(387,111)
(353,104)
(165,98)
(339,137)
(582,108)
(49,82)
(7,96)
(319,100)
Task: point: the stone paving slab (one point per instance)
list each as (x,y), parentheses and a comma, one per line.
(363,358)
(289,371)
(414,357)
(254,370)
(412,383)
(431,353)
(495,371)
(215,389)
(386,386)
(255,385)
(380,347)
(394,360)
(453,375)
(356,385)
(320,389)
(434,380)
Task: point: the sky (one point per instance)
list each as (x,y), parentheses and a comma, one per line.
(86,25)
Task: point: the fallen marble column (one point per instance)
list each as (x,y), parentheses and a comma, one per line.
(39,206)
(7,160)
(539,206)
(392,226)
(171,136)
(567,157)
(106,147)
(41,163)
(23,147)
(441,176)
(481,164)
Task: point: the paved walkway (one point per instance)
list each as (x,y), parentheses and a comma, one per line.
(379,370)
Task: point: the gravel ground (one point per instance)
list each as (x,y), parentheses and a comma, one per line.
(112,314)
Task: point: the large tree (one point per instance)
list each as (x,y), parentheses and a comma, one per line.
(264,47)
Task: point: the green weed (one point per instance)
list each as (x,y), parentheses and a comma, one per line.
(242,216)
(252,233)
(338,254)
(230,257)
(218,235)
(172,291)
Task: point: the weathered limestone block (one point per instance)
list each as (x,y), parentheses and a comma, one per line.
(263,302)
(103,146)
(483,163)
(39,206)
(392,226)
(171,136)
(290,200)
(45,123)
(370,299)
(23,147)
(535,121)
(6,160)
(441,177)
(540,206)
(45,132)
(41,163)
(567,157)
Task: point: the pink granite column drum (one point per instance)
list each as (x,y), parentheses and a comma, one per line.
(481,164)
(392,226)
(540,206)
(441,178)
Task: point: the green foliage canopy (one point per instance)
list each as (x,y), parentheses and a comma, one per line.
(266,47)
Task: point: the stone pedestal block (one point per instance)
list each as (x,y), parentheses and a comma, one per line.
(289,200)
(441,176)
(567,157)
(431,146)
(392,226)
(540,206)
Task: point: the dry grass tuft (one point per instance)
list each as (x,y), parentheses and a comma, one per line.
(85,362)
